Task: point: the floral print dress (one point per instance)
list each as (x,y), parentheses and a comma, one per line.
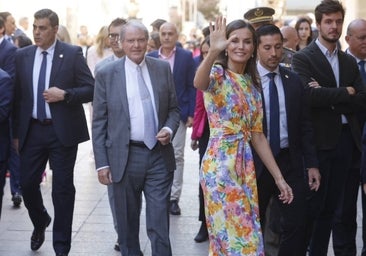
(227,175)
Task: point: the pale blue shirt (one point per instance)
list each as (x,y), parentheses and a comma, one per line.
(36,69)
(134,100)
(332,58)
(281,99)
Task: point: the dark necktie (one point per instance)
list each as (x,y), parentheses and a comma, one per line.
(274,116)
(150,128)
(10,40)
(41,104)
(361,65)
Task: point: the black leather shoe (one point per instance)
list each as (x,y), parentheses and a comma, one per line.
(17,199)
(174,207)
(202,234)
(37,238)
(116,247)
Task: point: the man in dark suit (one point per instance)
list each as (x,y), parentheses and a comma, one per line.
(337,94)
(296,151)
(132,155)
(6,97)
(49,124)
(183,67)
(356,40)
(7,63)
(7,52)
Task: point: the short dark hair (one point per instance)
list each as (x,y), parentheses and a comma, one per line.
(157,23)
(23,40)
(117,22)
(328,7)
(2,24)
(48,14)
(268,29)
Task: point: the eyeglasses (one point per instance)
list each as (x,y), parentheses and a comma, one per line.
(113,36)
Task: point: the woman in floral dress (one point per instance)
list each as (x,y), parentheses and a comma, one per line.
(232,97)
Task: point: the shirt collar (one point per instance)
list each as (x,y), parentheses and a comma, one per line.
(133,65)
(263,71)
(350,53)
(324,49)
(170,55)
(50,49)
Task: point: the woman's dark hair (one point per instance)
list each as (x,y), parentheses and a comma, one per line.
(251,66)
(297,26)
(206,40)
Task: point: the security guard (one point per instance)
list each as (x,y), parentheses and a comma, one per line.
(264,15)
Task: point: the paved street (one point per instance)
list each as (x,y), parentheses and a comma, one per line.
(93,232)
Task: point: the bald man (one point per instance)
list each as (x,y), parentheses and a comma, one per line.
(183,69)
(356,40)
(290,37)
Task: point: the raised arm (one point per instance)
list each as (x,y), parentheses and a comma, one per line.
(218,43)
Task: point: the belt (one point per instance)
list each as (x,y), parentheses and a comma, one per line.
(141,144)
(137,143)
(44,122)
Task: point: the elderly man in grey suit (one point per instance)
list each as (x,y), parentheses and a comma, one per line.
(126,90)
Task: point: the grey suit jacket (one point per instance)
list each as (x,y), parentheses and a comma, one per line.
(111,120)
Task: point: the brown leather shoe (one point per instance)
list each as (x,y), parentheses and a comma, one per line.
(37,238)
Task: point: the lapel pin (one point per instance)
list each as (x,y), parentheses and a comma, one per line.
(61,56)
(286,76)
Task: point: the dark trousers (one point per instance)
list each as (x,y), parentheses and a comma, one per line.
(335,167)
(2,182)
(363,222)
(13,165)
(292,220)
(146,173)
(41,146)
(202,146)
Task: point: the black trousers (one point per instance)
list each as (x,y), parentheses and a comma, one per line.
(42,145)
(292,216)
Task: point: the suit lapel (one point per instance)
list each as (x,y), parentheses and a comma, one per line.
(57,60)
(119,71)
(154,81)
(321,61)
(29,59)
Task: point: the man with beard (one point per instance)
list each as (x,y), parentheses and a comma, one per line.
(337,94)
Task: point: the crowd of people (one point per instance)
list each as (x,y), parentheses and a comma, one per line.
(277,115)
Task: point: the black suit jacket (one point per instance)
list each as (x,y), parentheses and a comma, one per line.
(70,73)
(6,96)
(300,135)
(7,57)
(328,103)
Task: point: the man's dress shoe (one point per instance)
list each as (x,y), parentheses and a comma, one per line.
(17,199)
(37,238)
